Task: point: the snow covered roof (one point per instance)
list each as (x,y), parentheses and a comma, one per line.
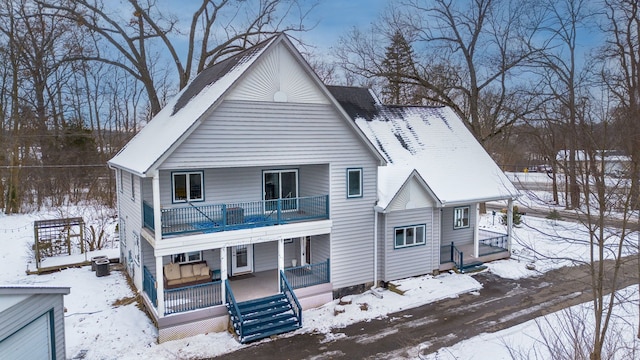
(185,110)
(434,142)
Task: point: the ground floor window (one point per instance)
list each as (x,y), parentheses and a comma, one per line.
(461,217)
(188,257)
(409,236)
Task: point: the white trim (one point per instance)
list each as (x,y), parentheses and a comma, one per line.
(235,269)
(187,179)
(459,217)
(218,240)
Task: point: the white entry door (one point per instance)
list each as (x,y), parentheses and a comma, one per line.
(241,259)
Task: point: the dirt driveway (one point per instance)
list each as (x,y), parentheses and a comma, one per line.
(501,303)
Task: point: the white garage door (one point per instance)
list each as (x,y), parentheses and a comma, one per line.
(31,342)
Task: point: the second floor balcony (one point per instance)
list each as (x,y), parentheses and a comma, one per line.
(191,218)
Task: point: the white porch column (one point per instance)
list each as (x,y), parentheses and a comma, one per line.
(509,224)
(280,259)
(157,211)
(223,272)
(159,286)
(476,238)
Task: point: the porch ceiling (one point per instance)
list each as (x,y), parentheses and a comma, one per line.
(198,242)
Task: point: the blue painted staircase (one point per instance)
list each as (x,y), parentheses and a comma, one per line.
(260,318)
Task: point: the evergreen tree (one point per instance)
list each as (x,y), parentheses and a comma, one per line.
(397,66)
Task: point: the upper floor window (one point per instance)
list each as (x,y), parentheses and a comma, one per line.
(461,217)
(409,236)
(280,186)
(133,187)
(187,186)
(354,183)
(120,180)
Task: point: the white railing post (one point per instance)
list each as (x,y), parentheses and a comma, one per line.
(160,286)
(509,224)
(223,272)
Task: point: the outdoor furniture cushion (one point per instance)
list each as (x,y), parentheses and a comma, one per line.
(186,271)
(204,271)
(197,267)
(172,271)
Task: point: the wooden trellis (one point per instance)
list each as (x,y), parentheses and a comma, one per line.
(57,237)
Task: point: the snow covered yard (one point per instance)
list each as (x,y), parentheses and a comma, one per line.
(103,321)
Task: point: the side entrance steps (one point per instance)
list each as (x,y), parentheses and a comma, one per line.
(472,267)
(260,318)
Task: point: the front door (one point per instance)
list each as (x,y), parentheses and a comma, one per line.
(241,259)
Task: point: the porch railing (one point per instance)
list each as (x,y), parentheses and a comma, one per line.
(192,297)
(494,242)
(147,215)
(286,289)
(240,215)
(457,256)
(308,275)
(234,310)
(149,286)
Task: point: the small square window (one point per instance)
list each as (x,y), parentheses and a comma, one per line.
(354,183)
(461,217)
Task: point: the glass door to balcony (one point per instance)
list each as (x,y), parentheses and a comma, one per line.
(241,259)
(281,185)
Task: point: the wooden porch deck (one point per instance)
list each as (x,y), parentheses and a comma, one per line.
(255,285)
(492,253)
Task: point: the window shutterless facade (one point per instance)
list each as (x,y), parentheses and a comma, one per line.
(461,217)
(188,186)
(354,183)
(409,236)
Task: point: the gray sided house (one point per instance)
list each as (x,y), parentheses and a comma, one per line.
(429,192)
(32,322)
(252,187)
(258,192)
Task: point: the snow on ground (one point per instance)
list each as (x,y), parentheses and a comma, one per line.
(531,339)
(99,328)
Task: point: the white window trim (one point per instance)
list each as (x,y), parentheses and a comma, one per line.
(416,241)
(188,185)
(280,172)
(185,256)
(459,216)
(360,194)
(133,186)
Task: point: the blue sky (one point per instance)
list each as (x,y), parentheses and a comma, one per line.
(336,17)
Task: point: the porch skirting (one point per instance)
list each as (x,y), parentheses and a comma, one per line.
(183,325)
(216,318)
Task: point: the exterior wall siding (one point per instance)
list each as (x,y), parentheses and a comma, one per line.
(31,308)
(320,248)
(263,135)
(130,213)
(227,185)
(413,260)
(457,236)
(245,133)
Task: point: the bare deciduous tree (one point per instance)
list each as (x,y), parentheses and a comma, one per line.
(467,56)
(217,29)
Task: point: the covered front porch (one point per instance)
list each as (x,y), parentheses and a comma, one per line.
(244,287)
(490,246)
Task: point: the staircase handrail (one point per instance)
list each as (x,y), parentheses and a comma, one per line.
(456,254)
(288,291)
(231,300)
